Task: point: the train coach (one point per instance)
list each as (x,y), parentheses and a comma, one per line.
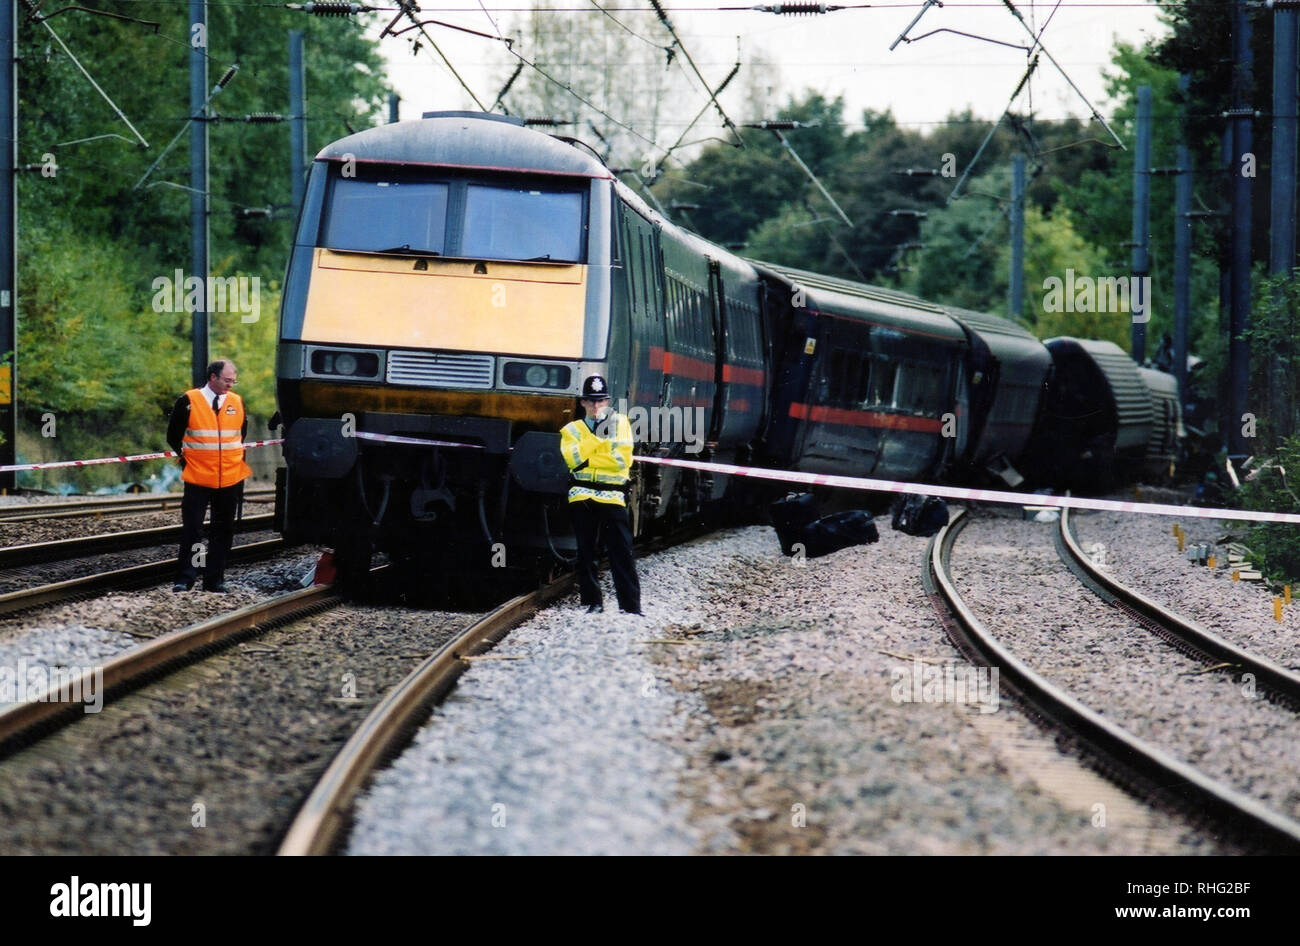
(454,279)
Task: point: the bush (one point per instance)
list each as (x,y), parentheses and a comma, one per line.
(1274,489)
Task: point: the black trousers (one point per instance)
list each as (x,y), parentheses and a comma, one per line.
(194,503)
(588,516)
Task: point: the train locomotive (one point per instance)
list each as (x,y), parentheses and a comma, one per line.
(454,279)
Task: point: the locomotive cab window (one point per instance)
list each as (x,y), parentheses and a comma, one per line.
(387,209)
(386,214)
(522,224)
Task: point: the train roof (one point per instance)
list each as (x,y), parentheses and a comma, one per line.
(1121,373)
(853,300)
(1022,357)
(466,140)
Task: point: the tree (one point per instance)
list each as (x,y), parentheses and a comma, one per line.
(91,348)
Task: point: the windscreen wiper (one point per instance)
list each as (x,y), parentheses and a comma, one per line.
(405,250)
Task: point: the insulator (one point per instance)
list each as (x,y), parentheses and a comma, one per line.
(264,118)
(797,9)
(781,125)
(332,8)
(546,122)
(659,12)
(230,74)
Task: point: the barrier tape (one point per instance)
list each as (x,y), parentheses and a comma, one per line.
(791,476)
(165,455)
(977,495)
(414,441)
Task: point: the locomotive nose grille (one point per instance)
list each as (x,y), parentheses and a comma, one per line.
(437,370)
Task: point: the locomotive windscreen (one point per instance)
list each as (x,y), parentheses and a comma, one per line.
(393,210)
(509,223)
(373,216)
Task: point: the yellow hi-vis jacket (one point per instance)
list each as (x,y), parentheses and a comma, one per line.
(598,460)
(214,455)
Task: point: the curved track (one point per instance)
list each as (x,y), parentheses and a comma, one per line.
(1142,763)
(1181,632)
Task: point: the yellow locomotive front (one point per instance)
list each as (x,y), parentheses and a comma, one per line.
(448,290)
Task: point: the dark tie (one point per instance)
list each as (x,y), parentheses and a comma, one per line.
(216,401)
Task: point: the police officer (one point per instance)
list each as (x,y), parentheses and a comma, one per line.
(598,451)
(207,429)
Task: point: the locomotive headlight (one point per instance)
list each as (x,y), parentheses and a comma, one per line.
(523,374)
(333,363)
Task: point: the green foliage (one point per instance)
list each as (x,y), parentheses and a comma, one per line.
(1277,545)
(251,346)
(92,350)
(1274,326)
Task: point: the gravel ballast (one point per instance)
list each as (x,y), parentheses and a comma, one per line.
(214,758)
(1013,578)
(1141,552)
(772,724)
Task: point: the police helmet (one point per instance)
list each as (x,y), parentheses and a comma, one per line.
(595,388)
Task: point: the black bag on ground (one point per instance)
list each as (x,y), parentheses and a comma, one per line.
(838,531)
(798,521)
(789,517)
(919,515)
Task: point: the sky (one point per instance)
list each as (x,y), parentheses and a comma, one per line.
(843,53)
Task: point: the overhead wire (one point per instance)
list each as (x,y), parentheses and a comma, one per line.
(408,10)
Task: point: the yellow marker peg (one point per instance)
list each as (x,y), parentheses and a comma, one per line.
(1182,540)
(1236,575)
(1277,609)
(1176,530)
(1286,594)
(1210,562)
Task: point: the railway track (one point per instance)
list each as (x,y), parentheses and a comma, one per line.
(323,819)
(116,506)
(21,722)
(1136,762)
(134,576)
(13,556)
(1185,635)
(174,727)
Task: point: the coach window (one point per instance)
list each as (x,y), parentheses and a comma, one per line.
(862,391)
(919,387)
(882,381)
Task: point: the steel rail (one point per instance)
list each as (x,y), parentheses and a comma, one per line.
(132,577)
(1186,635)
(116,505)
(320,823)
(1154,768)
(15,556)
(23,722)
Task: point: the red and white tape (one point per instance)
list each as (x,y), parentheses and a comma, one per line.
(978,495)
(164,455)
(791,476)
(413,441)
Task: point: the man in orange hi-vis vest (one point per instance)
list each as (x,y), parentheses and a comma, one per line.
(207,429)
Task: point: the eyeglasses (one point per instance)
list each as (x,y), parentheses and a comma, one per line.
(231,381)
